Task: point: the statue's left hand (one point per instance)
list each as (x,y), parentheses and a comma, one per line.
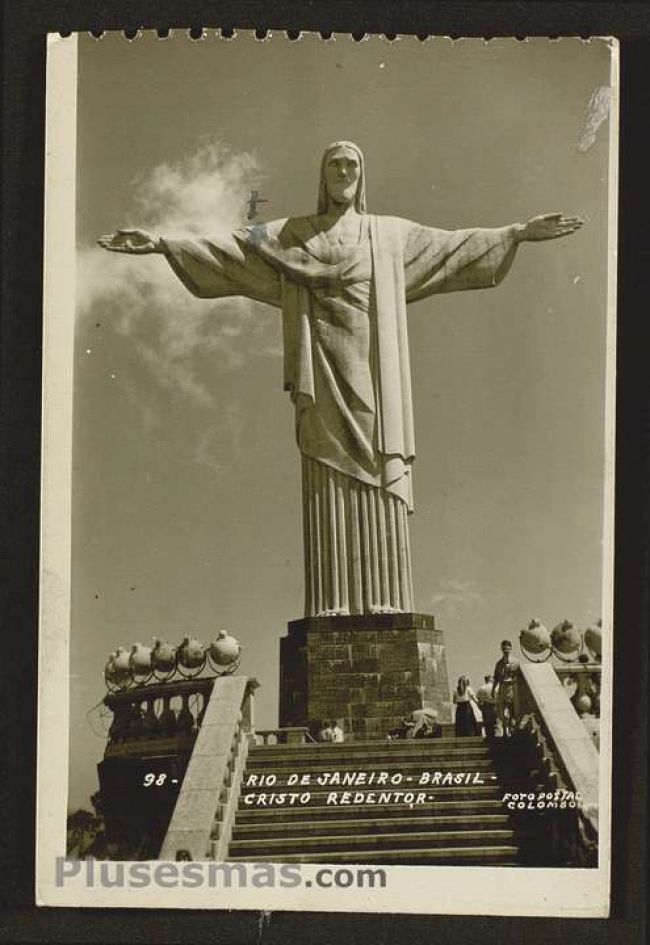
(549,226)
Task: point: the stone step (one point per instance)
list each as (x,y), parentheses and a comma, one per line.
(503,855)
(412,767)
(319,797)
(351,747)
(410,782)
(295,815)
(345,843)
(375,825)
(431,753)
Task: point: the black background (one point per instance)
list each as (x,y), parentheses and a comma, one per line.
(25,24)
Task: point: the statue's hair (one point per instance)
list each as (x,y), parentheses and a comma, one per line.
(360,196)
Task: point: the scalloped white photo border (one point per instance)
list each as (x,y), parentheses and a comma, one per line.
(502,891)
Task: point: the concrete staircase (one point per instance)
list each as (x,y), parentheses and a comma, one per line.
(457,824)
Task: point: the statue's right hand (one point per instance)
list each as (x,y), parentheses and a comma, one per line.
(130,241)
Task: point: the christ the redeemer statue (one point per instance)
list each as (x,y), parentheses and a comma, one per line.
(342,279)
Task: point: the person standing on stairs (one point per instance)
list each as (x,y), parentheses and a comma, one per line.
(325,734)
(503,683)
(485,700)
(468,715)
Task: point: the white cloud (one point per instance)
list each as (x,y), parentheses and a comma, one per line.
(226,436)
(457,598)
(206,194)
(174,374)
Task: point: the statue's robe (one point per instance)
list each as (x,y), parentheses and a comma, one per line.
(347,369)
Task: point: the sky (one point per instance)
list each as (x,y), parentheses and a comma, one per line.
(186,477)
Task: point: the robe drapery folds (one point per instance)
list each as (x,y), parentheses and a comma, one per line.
(347,369)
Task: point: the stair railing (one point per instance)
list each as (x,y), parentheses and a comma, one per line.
(201,824)
(286,735)
(145,720)
(243,738)
(574,828)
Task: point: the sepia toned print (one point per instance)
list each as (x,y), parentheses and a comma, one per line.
(391,713)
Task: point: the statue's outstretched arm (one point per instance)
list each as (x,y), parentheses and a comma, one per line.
(452,260)
(209,269)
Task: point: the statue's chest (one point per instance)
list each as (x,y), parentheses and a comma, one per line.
(333,252)
(346,240)
(342,236)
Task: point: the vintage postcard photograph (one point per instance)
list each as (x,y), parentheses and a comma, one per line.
(328,469)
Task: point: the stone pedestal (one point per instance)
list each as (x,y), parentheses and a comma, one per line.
(367,671)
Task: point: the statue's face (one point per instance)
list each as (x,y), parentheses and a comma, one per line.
(342,172)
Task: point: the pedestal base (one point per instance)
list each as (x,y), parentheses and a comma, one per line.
(366,671)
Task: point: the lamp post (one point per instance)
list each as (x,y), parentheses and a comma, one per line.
(581,648)
(565,642)
(144,665)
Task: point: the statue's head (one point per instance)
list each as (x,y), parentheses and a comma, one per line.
(342,176)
